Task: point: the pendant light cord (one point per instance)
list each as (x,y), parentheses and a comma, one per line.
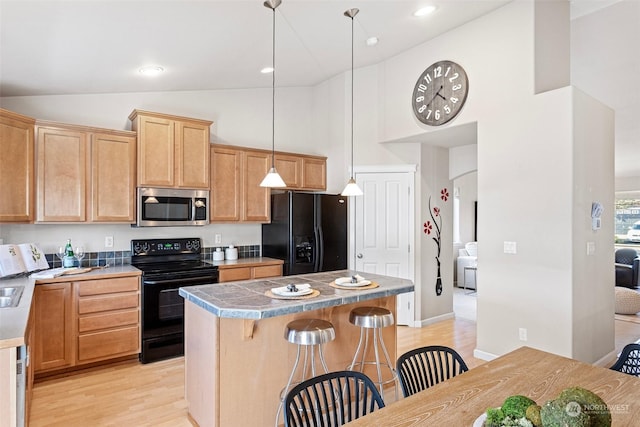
(273,94)
(352,97)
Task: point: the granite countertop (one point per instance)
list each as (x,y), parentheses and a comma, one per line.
(13,320)
(247,299)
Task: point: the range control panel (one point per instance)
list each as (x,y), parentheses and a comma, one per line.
(157,247)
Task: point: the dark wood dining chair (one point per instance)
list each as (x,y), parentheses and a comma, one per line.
(424,367)
(331,400)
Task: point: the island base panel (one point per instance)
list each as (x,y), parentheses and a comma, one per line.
(236,368)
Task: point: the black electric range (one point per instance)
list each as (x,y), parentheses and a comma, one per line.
(167,265)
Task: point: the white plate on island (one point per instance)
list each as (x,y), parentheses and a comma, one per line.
(346,281)
(284,292)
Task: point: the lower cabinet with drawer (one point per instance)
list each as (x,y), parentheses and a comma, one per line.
(108,319)
(85,321)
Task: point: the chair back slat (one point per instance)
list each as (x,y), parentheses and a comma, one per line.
(331,400)
(425,367)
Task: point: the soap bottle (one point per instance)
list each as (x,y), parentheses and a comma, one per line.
(68,260)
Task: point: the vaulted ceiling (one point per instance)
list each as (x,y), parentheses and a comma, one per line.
(93,46)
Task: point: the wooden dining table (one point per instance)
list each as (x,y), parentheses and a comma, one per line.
(536,374)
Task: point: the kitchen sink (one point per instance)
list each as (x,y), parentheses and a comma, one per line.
(10,296)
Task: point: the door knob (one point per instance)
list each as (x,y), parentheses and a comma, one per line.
(359,256)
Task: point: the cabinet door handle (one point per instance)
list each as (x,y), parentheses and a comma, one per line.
(359,256)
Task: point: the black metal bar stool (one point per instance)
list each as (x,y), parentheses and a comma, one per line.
(309,334)
(373,319)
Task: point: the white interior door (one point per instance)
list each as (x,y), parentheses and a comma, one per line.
(383,228)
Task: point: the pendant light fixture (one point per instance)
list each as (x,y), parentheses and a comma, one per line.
(273,179)
(352,188)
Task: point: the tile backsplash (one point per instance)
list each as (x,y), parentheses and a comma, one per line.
(114,258)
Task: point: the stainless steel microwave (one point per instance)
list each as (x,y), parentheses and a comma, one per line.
(162,207)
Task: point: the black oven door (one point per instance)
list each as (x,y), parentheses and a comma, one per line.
(163,314)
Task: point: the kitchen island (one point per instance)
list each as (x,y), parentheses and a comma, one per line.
(236,357)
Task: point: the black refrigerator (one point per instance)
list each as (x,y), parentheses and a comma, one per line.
(308,231)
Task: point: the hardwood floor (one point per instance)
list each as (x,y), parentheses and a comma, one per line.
(132,394)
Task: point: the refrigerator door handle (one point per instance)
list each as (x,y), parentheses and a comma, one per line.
(319,249)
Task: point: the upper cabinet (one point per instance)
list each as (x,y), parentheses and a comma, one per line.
(84,174)
(236,173)
(172,151)
(302,172)
(16,167)
(236,195)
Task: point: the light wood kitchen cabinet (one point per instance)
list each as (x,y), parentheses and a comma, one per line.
(236,173)
(314,173)
(236,195)
(113,186)
(108,318)
(302,172)
(226,198)
(53,344)
(85,321)
(16,167)
(256,200)
(85,174)
(246,272)
(290,169)
(173,152)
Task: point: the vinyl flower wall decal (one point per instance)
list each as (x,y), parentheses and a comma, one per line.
(436,222)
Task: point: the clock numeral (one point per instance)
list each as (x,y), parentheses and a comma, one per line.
(420,99)
(422,108)
(447,109)
(437,72)
(428,114)
(454,99)
(452,78)
(437,115)
(427,78)
(456,87)
(422,88)
(447,72)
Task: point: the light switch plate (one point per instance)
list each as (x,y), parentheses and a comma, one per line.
(510,247)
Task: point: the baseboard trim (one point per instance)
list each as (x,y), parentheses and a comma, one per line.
(479,354)
(436,319)
(607,360)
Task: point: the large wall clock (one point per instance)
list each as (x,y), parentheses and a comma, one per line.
(440,93)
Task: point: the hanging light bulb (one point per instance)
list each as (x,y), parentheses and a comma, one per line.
(273,179)
(352,188)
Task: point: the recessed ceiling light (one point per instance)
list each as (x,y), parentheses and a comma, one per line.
(151,70)
(372,41)
(267,70)
(424,11)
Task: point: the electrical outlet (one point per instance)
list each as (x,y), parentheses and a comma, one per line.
(218,238)
(591,248)
(108,241)
(523,334)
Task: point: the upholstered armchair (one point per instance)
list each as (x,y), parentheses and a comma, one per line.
(627,266)
(467,257)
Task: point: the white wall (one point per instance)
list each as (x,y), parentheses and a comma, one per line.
(526,160)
